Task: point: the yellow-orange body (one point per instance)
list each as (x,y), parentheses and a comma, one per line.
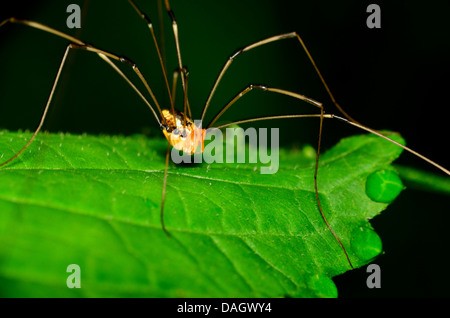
(182,133)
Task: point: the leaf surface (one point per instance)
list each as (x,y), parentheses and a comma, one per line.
(234,232)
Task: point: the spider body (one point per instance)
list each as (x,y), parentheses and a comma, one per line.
(182,133)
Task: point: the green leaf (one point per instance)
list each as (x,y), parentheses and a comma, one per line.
(95,201)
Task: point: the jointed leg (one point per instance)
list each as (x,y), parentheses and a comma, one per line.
(45,109)
(263,42)
(321,116)
(104,54)
(79,44)
(185,73)
(263,88)
(350,120)
(163,196)
(175,33)
(177,46)
(43,27)
(250,120)
(114,66)
(394,142)
(133,66)
(152,31)
(176,72)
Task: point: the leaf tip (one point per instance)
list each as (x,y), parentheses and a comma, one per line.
(323,286)
(366,243)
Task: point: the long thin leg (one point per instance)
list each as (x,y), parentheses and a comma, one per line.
(262,88)
(317,104)
(290,116)
(163,196)
(114,66)
(394,142)
(350,119)
(177,46)
(133,66)
(263,42)
(161,32)
(312,102)
(321,117)
(72,46)
(316,189)
(91,48)
(106,57)
(176,73)
(43,27)
(185,101)
(187,108)
(251,120)
(161,61)
(45,109)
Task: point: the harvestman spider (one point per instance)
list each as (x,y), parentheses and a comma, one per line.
(177,126)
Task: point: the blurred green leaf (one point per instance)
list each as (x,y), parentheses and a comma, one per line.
(94,201)
(423,180)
